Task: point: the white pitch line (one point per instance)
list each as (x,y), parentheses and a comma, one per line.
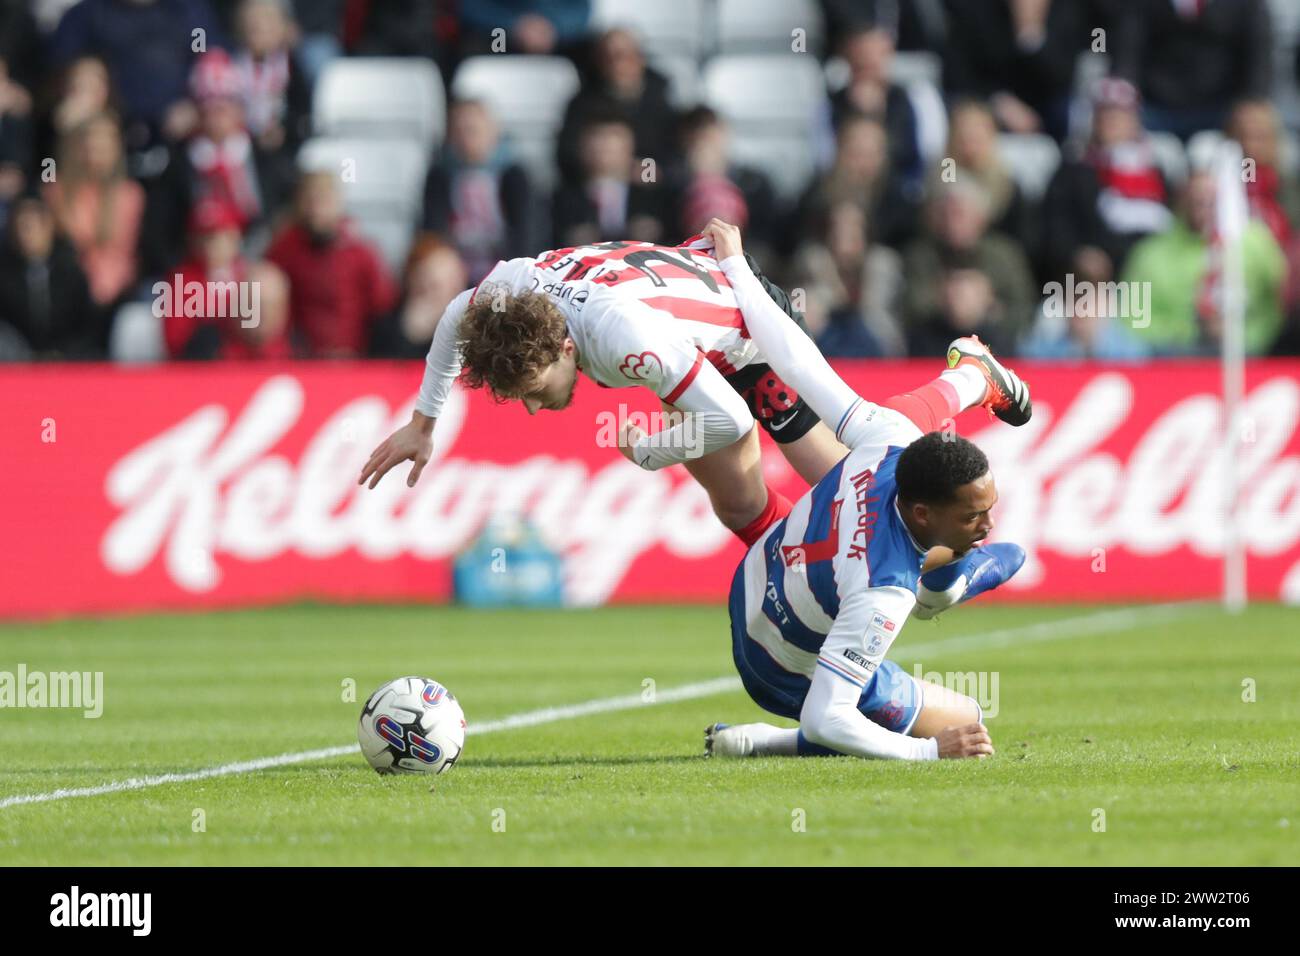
(1099,622)
(529,718)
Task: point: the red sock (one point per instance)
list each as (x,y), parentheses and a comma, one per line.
(929,406)
(777,507)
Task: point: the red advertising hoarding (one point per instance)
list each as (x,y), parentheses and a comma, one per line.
(209,486)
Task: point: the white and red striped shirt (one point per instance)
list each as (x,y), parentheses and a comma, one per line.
(639,313)
(603,288)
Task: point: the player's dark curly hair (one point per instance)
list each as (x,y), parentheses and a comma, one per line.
(932,468)
(506,341)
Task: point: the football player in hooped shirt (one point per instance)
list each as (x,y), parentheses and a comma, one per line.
(893,529)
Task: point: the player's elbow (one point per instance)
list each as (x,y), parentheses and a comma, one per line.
(822,725)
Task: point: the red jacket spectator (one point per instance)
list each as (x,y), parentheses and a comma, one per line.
(338,289)
(218,305)
(338,284)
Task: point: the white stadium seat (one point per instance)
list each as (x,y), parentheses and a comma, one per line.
(1031,159)
(527,94)
(776,106)
(931,119)
(137,335)
(1285,16)
(765,26)
(383,186)
(920,66)
(383,97)
(683,75)
(678,28)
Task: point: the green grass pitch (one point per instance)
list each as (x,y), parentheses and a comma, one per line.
(1142,719)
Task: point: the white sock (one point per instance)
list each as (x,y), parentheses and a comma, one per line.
(969,383)
(772,741)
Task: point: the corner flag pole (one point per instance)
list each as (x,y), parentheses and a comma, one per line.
(1231,216)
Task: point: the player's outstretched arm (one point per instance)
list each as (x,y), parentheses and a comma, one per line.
(443,362)
(414,440)
(785,347)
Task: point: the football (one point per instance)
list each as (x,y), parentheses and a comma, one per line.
(412,725)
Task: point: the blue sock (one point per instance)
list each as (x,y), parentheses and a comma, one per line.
(807,748)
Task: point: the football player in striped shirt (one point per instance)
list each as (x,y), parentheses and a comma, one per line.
(895,528)
(627,314)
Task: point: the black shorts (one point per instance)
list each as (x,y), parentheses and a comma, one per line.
(776,406)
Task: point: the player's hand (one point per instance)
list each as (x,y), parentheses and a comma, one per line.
(628,436)
(937,557)
(969,740)
(412,442)
(726,239)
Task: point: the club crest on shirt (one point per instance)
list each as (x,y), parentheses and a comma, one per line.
(881,630)
(641,366)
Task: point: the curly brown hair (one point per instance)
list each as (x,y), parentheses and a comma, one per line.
(506,341)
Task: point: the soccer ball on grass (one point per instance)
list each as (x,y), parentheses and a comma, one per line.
(412,725)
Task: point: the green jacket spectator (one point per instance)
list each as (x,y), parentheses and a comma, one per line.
(1176,261)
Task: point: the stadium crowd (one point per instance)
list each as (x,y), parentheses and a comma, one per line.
(959,156)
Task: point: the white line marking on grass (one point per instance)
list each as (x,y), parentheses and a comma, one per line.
(1099,622)
(530,718)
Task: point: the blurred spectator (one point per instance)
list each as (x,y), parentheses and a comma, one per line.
(338,284)
(714,186)
(221,160)
(531,26)
(619,84)
(83,90)
(21,46)
(476,196)
(427,28)
(1192,58)
(860,174)
(917,24)
(1101,203)
(277,99)
(97,206)
(435,274)
(869,51)
(851,288)
(961,279)
(234,292)
(148,46)
(1184,272)
(15,139)
(1084,333)
(973,151)
(1273,195)
(610,201)
(43,292)
(1019,56)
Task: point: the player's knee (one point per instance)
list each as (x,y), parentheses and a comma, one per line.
(739,509)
